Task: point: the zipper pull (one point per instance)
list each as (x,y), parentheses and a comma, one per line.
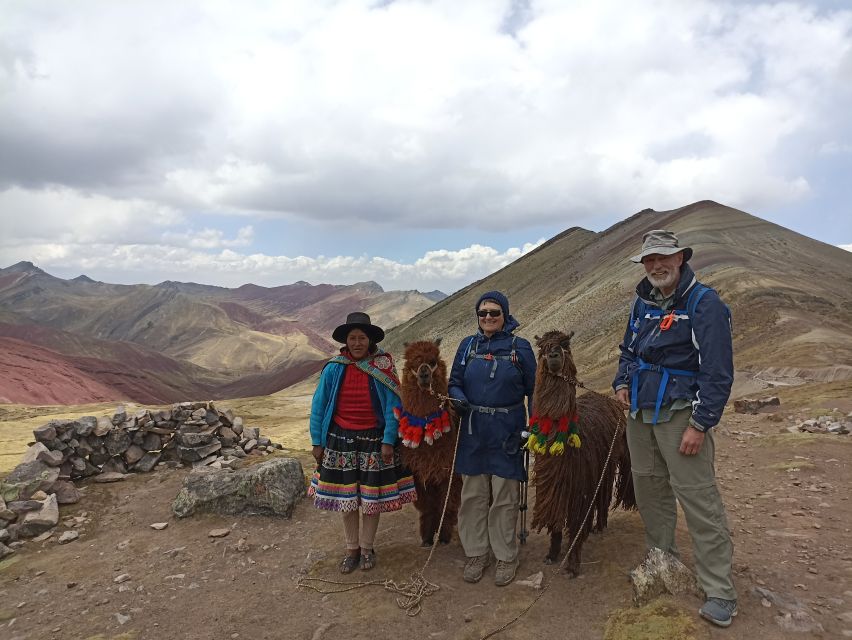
(666,323)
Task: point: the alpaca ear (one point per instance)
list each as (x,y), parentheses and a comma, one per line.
(437,341)
(405,345)
(570,334)
(536,338)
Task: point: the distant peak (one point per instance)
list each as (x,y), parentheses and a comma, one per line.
(369,287)
(436,295)
(302,283)
(82,278)
(25,267)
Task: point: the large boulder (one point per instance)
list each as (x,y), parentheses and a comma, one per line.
(26,479)
(754,405)
(36,522)
(66,492)
(33,452)
(117,442)
(270,488)
(662,573)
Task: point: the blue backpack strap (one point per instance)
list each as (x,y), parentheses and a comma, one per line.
(694,298)
(637,310)
(467,351)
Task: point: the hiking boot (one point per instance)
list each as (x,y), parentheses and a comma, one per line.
(505,572)
(475,566)
(719,611)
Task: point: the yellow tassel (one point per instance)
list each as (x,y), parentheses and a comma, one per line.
(574,441)
(557,448)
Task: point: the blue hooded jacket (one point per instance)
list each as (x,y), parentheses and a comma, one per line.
(697,351)
(490,442)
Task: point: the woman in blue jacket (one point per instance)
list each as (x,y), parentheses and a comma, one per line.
(353,433)
(492,374)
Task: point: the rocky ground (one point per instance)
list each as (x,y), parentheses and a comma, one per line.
(788,504)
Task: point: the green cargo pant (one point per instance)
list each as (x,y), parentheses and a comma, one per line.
(483,527)
(660,474)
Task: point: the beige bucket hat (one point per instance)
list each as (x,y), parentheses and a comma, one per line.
(662,242)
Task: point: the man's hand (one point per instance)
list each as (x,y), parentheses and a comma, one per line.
(317,452)
(623,397)
(387,454)
(691,442)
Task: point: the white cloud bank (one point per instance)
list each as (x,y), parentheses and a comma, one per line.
(130,118)
(442,269)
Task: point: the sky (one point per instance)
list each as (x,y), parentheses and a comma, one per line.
(419,144)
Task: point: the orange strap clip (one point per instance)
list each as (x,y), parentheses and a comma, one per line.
(666,323)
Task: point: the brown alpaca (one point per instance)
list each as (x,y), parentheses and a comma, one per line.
(431,464)
(564,484)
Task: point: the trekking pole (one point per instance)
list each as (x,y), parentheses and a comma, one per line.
(523,533)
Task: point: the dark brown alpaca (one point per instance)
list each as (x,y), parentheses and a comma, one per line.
(564,484)
(431,464)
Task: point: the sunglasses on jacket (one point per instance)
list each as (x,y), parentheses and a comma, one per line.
(494,313)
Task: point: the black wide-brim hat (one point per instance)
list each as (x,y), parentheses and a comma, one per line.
(358,320)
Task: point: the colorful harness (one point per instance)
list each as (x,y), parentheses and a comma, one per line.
(567,431)
(414,429)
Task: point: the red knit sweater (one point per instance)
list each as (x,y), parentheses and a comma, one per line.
(354,409)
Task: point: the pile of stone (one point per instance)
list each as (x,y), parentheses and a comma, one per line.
(107,448)
(827,424)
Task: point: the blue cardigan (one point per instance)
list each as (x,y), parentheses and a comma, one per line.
(325,401)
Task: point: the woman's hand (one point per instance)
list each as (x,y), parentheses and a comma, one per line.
(387,454)
(317,452)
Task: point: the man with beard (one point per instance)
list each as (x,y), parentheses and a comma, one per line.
(675,374)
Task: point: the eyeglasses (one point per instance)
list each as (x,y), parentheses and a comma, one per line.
(494,313)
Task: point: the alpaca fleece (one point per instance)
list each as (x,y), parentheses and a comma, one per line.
(564,484)
(430,464)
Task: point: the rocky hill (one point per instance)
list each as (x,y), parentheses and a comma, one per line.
(78,340)
(790,295)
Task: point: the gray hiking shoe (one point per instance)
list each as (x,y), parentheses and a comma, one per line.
(475,567)
(505,572)
(719,611)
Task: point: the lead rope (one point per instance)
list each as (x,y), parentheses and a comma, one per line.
(556,571)
(411,593)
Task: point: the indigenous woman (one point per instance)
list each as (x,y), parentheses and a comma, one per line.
(353,433)
(493,373)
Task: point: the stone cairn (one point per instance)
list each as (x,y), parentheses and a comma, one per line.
(106,449)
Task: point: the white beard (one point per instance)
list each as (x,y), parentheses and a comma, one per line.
(666,282)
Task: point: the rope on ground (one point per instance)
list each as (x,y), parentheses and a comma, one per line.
(561,566)
(411,593)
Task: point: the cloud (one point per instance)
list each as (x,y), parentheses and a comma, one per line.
(440,269)
(436,114)
(209,238)
(63,215)
(847,247)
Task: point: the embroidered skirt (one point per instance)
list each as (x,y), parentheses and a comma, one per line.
(352,474)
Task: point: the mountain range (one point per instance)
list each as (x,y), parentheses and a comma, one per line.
(790,295)
(79,340)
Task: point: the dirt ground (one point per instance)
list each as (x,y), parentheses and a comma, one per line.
(788,506)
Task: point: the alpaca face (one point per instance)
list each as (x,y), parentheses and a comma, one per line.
(424,374)
(422,360)
(554,351)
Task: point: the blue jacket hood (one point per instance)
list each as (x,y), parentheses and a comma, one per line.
(510,324)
